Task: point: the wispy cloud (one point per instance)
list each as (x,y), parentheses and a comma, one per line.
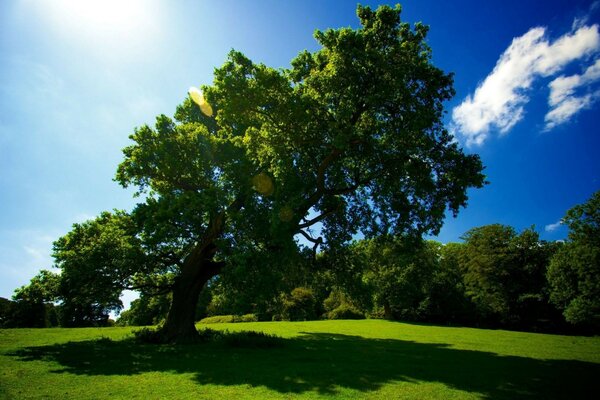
(24,253)
(498,102)
(553,227)
(563,101)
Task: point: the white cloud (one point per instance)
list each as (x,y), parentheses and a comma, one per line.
(564,104)
(498,102)
(553,227)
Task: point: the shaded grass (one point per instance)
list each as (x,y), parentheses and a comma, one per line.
(341,359)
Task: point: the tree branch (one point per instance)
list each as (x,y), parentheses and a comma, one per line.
(316,219)
(349,189)
(314,198)
(157,289)
(318,241)
(331,157)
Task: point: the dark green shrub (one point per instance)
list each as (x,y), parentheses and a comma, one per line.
(148,336)
(251,339)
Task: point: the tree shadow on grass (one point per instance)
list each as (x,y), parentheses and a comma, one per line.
(323,362)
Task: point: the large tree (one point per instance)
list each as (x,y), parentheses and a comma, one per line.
(351,136)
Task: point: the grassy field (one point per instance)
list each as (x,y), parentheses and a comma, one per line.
(368,359)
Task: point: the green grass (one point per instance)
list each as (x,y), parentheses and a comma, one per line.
(368,359)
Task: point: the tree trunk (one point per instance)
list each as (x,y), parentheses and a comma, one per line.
(387,311)
(179,326)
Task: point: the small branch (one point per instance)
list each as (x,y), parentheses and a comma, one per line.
(236,205)
(213,268)
(313,221)
(318,241)
(170,258)
(157,289)
(349,189)
(321,170)
(310,238)
(335,153)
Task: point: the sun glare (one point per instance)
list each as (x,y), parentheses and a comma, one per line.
(112,23)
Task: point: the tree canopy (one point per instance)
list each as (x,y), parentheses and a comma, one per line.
(350,136)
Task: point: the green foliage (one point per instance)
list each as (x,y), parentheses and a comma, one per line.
(97,259)
(252,283)
(251,339)
(351,136)
(584,221)
(345,311)
(218,319)
(243,339)
(340,306)
(27,314)
(149,335)
(399,270)
(5,312)
(574,272)
(504,273)
(299,305)
(42,288)
(448,302)
(146,310)
(32,304)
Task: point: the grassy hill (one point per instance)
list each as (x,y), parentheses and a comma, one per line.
(369,359)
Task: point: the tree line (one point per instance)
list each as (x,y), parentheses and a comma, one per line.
(496,277)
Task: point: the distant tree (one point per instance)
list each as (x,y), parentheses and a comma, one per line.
(299,305)
(146,310)
(97,259)
(5,312)
(574,272)
(42,288)
(32,304)
(247,286)
(399,272)
(448,301)
(504,273)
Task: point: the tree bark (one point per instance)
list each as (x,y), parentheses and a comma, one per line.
(198,268)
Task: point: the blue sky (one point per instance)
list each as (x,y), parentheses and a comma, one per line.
(77,76)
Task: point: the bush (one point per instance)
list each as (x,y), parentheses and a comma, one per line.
(223,319)
(345,311)
(217,319)
(338,306)
(251,339)
(246,318)
(300,305)
(149,336)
